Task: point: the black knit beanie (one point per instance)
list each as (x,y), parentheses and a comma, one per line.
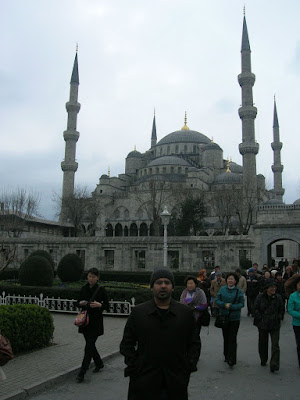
(161,273)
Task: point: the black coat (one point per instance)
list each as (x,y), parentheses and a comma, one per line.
(95,326)
(269,311)
(168,347)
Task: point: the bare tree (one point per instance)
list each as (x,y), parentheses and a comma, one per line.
(152,196)
(224,204)
(79,209)
(17,208)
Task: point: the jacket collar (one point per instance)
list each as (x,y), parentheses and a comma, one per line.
(153,307)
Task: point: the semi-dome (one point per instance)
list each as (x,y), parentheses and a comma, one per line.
(227,178)
(168,160)
(297,202)
(104,176)
(134,153)
(211,146)
(234,167)
(184,136)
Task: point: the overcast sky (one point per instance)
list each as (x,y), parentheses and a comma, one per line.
(134,56)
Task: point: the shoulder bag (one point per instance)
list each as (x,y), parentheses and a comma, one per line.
(82,318)
(222,321)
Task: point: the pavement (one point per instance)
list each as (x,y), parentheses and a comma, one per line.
(50,373)
(32,372)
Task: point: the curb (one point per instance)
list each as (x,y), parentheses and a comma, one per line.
(46,383)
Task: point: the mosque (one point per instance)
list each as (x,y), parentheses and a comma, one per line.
(122,228)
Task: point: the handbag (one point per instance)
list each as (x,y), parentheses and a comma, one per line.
(6,353)
(205,318)
(82,317)
(222,321)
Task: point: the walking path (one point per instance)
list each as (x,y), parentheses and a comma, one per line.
(29,373)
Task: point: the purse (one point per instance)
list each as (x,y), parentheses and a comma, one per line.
(6,353)
(222,321)
(82,317)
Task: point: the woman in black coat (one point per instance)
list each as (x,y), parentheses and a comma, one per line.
(92,298)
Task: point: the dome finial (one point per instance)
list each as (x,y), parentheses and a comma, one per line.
(134,147)
(228,169)
(212,139)
(108,172)
(244,10)
(77,47)
(185,127)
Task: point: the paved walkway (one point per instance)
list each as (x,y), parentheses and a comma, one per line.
(31,372)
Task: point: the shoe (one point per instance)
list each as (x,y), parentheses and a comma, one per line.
(273,368)
(230,363)
(263,364)
(97,368)
(80,378)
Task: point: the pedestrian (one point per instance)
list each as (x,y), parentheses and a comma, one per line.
(160,344)
(204,283)
(252,290)
(194,297)
(216,285)
(92,298)
(242,281)
(294,311)
(269,311)
(212,275)
(262,281)
(230,301)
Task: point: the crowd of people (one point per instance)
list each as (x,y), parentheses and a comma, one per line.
(161,341)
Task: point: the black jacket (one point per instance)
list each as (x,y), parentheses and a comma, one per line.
(269,311)
(160,347)
(95,326)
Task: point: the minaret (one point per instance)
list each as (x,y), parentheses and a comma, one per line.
(277,167)
(247,112)
(69,165)
(153,137)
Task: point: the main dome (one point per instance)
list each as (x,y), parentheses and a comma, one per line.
(184,136)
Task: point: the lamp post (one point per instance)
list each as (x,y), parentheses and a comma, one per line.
(165,216)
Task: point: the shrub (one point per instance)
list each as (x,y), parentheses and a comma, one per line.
(36,271)
(70,268)
(27,327)
(43,253)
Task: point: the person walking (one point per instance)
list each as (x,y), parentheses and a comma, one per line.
(160,344)
(269,311)
(242,284)
(294,311)
(252,290)
(92,298)
(215,286)
(230,301)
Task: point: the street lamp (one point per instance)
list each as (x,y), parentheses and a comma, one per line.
(165,216)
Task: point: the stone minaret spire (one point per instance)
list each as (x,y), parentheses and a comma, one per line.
(277,167)
(69,165)
(153,136)
(247,112)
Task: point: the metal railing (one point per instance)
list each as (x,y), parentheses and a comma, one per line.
(119,308)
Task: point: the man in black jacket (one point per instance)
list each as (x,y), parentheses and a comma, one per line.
(269,311)
(160,344)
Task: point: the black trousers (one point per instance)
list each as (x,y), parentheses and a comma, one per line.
(230,343)
(297,336)
(90,352)
(250,305)
(263,347)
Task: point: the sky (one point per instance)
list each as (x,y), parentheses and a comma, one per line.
(136,56)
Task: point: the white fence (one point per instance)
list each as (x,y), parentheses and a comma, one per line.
(65,305)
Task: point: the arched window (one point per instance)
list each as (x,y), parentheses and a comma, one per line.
(118,230)
(133,230)
(168,150)
(109,230)
(143,229)
(185,148)
(126,214)
(176,148)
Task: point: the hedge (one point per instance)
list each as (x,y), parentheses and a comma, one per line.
(28,327)
(36,271)
(114,293)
